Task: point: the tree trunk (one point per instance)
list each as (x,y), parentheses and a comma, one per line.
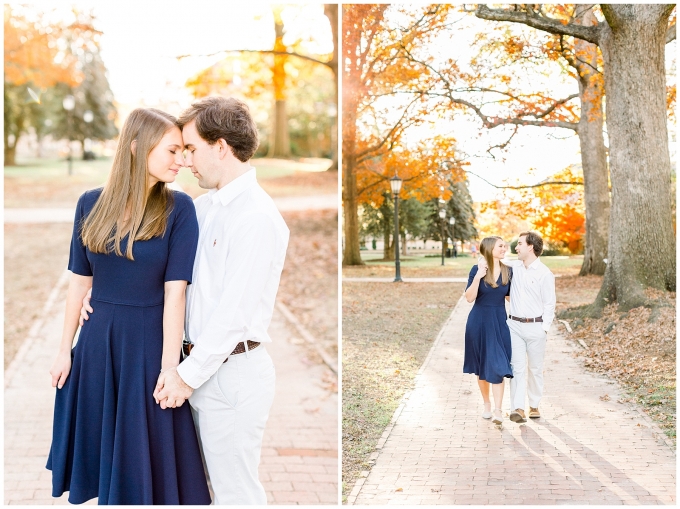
(10,155)
(404,249)
(352,253)
(280,146)
(331,12)
(593,153)
(388,250)
(641,240)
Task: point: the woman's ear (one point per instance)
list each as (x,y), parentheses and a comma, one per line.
(133,146)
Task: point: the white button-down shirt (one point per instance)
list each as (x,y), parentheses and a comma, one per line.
(532,291)
(241,249)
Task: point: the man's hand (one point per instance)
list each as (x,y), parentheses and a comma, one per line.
(171,391)
(86,308)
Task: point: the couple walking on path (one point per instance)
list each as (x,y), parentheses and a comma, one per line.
(497,348)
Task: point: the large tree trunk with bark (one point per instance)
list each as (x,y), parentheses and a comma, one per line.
(350,204)
(641,240)
(593,154)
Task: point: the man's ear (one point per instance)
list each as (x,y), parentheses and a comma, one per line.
(133,147)
(225,149)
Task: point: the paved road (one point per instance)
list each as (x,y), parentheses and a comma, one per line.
(300,452)
(65,215)
(587,448)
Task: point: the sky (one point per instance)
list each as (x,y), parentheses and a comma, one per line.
(535,153)
(141,40)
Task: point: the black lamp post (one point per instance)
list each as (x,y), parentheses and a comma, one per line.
(69,103)
(442,215)
(395,184)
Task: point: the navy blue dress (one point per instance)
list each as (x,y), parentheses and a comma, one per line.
(488,349)
(110,438)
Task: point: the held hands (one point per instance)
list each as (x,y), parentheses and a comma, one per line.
(86,308)
(482,267)
(61,369)
(171,391)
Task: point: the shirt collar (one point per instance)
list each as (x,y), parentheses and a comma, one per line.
(233,188)
(535,265)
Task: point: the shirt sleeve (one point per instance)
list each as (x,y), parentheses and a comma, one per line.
(549,299)
(78,262)
(471,277)
(183,241)
(248,269)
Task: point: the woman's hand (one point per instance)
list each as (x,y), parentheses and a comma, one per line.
(482,267)
(61,369)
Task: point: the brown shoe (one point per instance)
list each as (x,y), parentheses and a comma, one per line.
(517,415)
(534,413)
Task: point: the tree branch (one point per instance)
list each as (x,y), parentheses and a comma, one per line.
(540,184)
(553,26)
(670,34)
(362,155)
(270,52)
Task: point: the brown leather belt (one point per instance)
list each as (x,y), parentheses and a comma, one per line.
(526,320)
(240,348)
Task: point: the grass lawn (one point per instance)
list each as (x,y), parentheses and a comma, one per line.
(429,265)
(383,347)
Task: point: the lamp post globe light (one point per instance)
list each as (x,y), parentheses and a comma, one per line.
(395,185)
(69,104)
(442,215)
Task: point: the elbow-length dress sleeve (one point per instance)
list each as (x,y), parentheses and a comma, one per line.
(78,263)
(471,277)
(183,241)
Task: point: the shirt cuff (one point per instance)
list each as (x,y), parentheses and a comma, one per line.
(190,372)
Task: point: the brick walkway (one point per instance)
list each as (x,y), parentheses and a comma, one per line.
(300,452)
(438,449)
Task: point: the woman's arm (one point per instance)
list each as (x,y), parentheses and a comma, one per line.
(173,323)
(471,292)
(78,287)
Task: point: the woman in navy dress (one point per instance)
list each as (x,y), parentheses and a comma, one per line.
(133,245)
(487,337)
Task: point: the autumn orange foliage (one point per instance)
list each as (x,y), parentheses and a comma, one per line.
(557,212)
(32,54)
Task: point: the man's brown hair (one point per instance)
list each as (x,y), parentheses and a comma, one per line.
(534,240)
(226,118)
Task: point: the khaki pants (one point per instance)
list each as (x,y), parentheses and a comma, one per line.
(230,411)
(528,352)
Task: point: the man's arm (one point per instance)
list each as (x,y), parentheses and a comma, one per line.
(251,255)
(549,300)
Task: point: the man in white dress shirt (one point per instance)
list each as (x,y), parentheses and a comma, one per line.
(241,250)
(229,305)
(532,310)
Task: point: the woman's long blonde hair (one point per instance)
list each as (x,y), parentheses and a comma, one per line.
(486,250)
(127,186)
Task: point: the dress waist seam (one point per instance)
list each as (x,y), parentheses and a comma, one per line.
(92,299)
